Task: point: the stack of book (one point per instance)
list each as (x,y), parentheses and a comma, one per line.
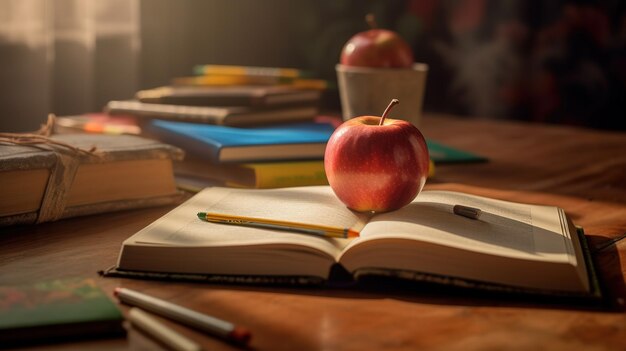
(255,127)
(239,126)
(229,95)
(270,156)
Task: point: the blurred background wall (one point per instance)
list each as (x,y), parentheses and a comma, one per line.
(546,61)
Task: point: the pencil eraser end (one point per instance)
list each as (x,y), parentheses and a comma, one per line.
(116,291)
(240,335)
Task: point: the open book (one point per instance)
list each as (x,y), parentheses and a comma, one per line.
(513,245)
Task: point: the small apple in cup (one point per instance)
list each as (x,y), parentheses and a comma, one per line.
(376,164)
(376,47)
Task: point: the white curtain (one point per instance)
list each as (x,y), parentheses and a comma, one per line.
(65,57)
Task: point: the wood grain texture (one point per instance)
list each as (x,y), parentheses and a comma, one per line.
(582,171)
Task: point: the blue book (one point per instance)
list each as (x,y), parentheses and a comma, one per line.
(295,141)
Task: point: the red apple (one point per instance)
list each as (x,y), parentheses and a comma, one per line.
(379,48)
(376,163)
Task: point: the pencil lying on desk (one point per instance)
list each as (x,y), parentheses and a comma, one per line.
(200,321)
(150,325)
(265,223)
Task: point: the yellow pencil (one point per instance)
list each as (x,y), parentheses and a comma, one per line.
(313,229)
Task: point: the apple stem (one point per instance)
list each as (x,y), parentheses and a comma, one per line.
(391,104)
(371,21)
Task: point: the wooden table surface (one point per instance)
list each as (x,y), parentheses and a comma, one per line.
(582,171)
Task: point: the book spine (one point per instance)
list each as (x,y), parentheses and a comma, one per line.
(200,114)
(249,71)
(289,174)
(224,80)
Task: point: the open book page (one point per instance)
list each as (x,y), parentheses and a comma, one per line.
(181,227)
(508,244)
(503,228)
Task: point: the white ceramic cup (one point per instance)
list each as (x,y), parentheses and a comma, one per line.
(367,91)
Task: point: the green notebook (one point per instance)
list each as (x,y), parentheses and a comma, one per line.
(56,310)
(440,154)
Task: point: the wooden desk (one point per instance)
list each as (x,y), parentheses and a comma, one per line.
(582,171)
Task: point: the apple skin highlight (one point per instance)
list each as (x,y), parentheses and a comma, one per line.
(376,168)
(377,48)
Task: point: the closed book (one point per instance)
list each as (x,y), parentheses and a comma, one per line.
(295,141)
(254,96)
(97,123)
(253,71)
(232,116)
(88,173)
(508,247)
(56,310)
(441,154)
(252,175)
(220,80)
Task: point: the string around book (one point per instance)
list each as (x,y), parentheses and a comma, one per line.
(61,175)
(42,137)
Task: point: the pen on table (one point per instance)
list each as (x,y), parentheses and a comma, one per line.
(200,321)
(467,211)
(159,331)
(320,230)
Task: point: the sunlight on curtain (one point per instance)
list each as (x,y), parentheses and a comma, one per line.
(65,57)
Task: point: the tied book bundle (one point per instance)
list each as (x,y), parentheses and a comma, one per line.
(440,237)
(47,177)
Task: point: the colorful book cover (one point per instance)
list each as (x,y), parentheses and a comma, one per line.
(306,140)
(56,310)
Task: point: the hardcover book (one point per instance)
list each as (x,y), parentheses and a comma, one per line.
(511,246)
(294,141)
(56,310)
(254,96)
(231,116)
(78,174)
(250,71)
(253,175)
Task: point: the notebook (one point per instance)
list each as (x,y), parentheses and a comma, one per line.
(56,310)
